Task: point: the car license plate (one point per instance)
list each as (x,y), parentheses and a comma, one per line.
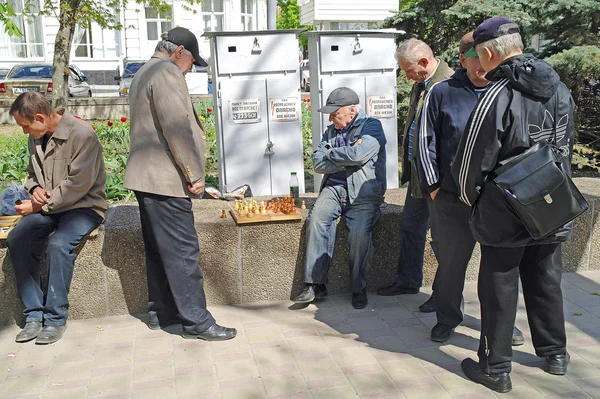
(25,89)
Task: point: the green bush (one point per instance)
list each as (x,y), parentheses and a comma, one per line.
(15,157)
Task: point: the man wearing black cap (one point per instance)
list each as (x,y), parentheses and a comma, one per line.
(351,156)
(165,169)
(526,103)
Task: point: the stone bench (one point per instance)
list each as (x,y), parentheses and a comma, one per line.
(252,262)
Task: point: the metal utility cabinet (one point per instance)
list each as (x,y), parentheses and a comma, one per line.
(363,61)
(256,83)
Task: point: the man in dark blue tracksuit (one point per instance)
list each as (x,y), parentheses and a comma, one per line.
(445,114)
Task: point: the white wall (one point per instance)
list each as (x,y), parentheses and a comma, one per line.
(315,11)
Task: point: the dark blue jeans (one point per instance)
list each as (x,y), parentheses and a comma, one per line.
(320,236)
(413,232)
(25,243)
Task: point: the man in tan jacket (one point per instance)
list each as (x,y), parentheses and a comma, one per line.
(165,168)
(66,182)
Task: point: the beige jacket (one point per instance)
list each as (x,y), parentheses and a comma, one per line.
(167,141)
(72,167)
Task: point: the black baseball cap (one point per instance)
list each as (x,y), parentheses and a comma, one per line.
(493,28)
(340,97)
(185,38)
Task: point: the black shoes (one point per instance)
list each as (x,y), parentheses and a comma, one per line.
(428,306)
(517,337)
(156,325)
(557,364)
(29,332)
(50,334)
(359,300)
(214,333)
(496,382)
(396,289)
(441,332)
(311,292)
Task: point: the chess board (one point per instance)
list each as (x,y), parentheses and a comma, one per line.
(7,223)
(268,216)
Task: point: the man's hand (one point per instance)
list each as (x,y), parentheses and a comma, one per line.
(40,196)
(434,193)
(197,188)
(27,207)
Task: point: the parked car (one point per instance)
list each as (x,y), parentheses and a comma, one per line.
(129,70)
(304,75)
(38,77)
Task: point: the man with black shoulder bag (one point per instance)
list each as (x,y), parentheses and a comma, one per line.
(526,111)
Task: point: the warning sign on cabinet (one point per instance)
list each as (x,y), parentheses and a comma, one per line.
(381,106)
(283,109)
(245,111)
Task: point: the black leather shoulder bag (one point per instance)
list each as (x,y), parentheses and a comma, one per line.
(537,188)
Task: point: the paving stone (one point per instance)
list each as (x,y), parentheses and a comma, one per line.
(366,383)
(320,369)
(549,384)
(284,384)
(110,385)
(334,393)
(425,393)
(20,386)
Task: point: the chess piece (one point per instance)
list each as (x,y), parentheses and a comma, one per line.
(303,205)
(223,214)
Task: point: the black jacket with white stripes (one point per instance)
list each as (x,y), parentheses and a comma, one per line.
(525,101)
(446,111)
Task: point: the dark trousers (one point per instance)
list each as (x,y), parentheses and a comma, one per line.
(175,281)
(413,232)
(540,268)
(25,243)
(455,245)
(360,219)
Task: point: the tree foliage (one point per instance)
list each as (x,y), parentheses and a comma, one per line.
(288,17)
(441,23)
(6,12)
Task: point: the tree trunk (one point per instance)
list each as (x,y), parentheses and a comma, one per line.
(62,52)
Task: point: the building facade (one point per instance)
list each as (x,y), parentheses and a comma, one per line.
(346,14)
(99,53)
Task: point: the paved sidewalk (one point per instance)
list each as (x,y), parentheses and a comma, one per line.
(327,350)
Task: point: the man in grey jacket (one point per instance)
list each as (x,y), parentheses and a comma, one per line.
(165,168)
(351,156)
(65,178)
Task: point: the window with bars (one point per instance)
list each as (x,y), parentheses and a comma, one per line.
(248,12)
(213,14)
(157,23)
(31,44)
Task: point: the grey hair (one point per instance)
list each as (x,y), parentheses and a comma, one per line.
(166,47)
(412,50)
(503,46)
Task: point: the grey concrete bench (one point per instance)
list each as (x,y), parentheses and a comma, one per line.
(253,262)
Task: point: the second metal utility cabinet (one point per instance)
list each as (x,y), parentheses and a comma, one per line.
(363,61)
(256,89)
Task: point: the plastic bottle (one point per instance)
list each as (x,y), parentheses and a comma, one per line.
(294,187)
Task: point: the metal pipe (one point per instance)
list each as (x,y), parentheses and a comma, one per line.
(271,14)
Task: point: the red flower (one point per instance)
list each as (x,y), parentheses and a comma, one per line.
(209,110)
(94,127)
(123,119)
(110,123)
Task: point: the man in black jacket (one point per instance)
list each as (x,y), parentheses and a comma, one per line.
(445,113)
(526,102)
